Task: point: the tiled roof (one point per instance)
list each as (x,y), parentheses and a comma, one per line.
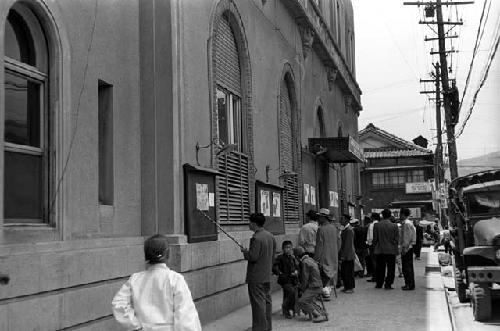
(402,148)
(403,144)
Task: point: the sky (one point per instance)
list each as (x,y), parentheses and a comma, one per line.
(392,57)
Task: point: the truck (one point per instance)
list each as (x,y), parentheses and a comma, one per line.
(474,217)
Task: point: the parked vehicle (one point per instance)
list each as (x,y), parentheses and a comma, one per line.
(475,220)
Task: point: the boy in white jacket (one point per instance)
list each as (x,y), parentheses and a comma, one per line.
(157,299)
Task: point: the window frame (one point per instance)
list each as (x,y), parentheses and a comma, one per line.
(234,128)
(33,73)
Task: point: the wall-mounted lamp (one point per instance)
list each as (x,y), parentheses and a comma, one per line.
(226,149)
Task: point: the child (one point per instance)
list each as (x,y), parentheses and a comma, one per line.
(158,298)
(311,286)
(286,267)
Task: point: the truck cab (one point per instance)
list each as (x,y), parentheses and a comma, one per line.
(475,220)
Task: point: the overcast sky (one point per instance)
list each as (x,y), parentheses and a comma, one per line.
(391,57)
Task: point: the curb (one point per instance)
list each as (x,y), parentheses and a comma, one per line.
(449,305)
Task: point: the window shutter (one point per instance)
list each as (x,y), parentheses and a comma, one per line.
(227,73)
(234,199)
(291,192)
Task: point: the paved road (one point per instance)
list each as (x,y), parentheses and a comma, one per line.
(367,308)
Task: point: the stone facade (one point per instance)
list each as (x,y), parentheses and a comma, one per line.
(157,55)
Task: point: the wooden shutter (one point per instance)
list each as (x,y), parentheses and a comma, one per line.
(234,196)
(287,164)
(228,72)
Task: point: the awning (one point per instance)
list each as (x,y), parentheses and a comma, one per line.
(337,150)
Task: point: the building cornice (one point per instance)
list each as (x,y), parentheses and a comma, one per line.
(310,20)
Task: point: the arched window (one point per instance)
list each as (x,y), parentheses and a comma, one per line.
(288,149)
(231,114)
(26,139)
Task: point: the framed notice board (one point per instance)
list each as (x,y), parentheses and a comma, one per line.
(199,198)
(269,201)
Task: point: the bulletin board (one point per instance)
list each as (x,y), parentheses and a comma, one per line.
(200,196)
(269,201)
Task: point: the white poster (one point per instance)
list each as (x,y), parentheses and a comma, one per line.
(265,205)
(313,195)
(306,193)
(351,211)
(211,199)
(202,196)
(276,204)
(334,199)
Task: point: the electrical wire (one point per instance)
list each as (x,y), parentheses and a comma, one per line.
(483,79)
(479,36)
(77,112)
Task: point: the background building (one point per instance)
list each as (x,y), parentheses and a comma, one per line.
(104,104)
(397,173)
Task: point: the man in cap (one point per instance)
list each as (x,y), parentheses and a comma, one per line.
(326,252)
(307,233)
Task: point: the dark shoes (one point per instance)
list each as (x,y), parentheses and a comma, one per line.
(378,286)
(407,288)
(388,287)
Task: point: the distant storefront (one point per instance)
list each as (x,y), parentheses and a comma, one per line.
(397,174)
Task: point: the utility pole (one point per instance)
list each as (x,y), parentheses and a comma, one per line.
(439,156)
(450,127)
(430,6)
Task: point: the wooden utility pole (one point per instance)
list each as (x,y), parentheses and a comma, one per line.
(439,156)
(450,127)
(441,37)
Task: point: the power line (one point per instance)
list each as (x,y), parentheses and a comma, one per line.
(479,36)
(77,112)
(483,79)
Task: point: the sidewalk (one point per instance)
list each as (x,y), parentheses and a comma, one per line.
(368,308)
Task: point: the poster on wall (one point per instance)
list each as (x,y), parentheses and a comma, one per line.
(265,206)
(306,193)
(202,201)
(334,199)
(313,195)
(276,204)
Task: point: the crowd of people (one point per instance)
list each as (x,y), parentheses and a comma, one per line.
(330,254)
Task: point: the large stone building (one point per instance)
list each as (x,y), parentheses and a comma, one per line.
(105,103)
(397,173)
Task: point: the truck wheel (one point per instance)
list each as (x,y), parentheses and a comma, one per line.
(481,301)
(460,286)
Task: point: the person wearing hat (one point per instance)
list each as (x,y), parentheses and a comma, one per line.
(307,233)
(326,252)
(347,255)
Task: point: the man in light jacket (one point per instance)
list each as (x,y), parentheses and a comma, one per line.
(408,240)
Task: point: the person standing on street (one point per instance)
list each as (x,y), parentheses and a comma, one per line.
(326,252)
(260,257)
(419,239)
(385,241)
(157,298)
(347,256)
(360,245)
(408,240)
(371,248)
(307,233)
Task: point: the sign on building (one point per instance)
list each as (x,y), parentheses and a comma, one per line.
(421,187)
(414,212)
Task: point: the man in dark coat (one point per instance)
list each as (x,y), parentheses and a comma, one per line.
(347,256)
(385,241)
(260,257)
(360,244)
(420,239)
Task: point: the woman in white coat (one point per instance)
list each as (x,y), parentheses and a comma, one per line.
(157,299)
